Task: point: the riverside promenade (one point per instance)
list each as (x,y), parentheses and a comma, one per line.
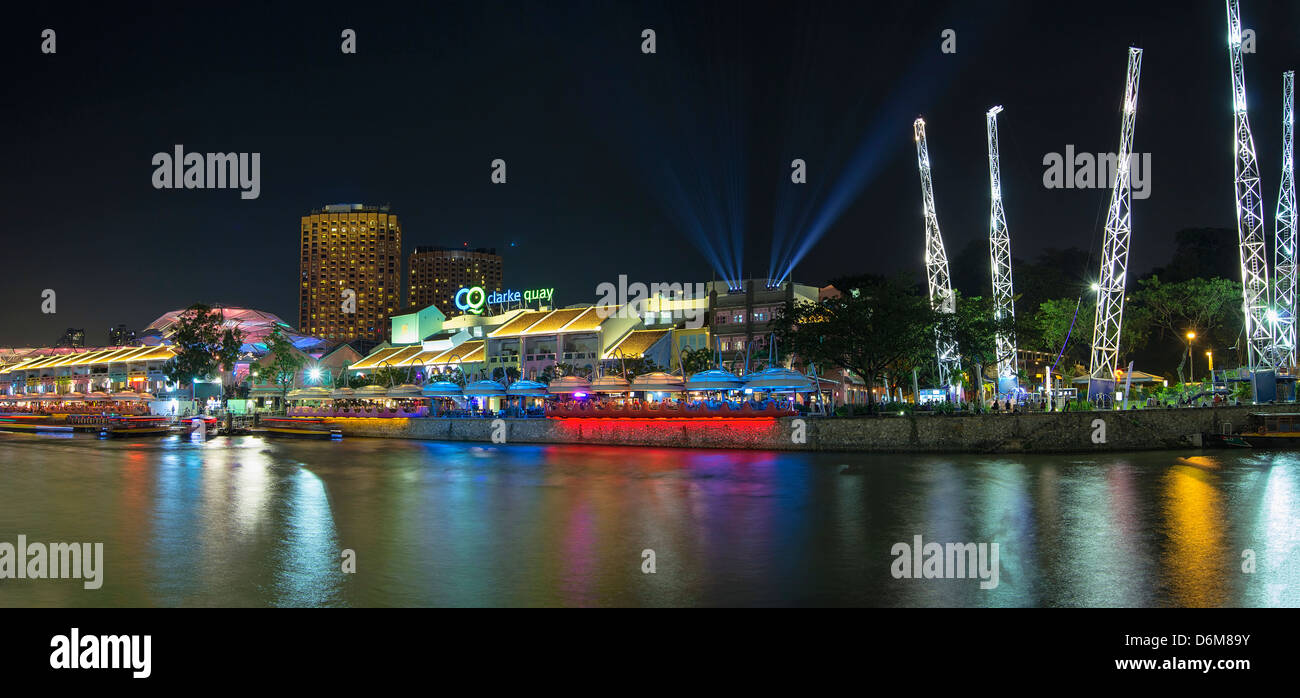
(1044,432)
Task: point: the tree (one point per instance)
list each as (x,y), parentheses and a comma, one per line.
(1209,307)
(282,362)
(388,376)
(1064,322)
(631,368)
(695,360)
(232,338)
(975,330)
(1205,253)
(197,342)
(875,325)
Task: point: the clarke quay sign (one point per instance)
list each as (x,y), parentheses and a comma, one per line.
(475,299)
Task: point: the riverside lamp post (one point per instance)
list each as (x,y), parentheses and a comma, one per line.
(1191,365)
(1209,358)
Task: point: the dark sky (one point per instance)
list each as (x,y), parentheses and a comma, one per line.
(618,162)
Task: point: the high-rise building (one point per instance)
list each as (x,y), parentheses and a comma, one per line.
(350,268)
(120,336)
(73,337)
(437,273)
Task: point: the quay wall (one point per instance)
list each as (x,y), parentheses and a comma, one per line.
(990,433)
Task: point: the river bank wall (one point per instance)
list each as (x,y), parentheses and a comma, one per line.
(989,433)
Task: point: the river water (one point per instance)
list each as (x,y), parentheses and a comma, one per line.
(245,521)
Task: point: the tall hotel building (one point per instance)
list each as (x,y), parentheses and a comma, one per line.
(437,273)
(356,247)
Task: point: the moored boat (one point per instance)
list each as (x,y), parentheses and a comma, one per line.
(135,426)
(1275,430)
(297,427)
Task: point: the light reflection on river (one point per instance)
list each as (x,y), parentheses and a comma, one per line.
(248,522)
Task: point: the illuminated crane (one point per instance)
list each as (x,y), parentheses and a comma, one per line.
(1114,250)
(1000,251)
(936,263)
(1285,239)
(1250,213)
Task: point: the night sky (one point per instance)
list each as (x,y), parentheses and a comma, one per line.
(618,162)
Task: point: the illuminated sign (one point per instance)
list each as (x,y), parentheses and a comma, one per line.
(474,299)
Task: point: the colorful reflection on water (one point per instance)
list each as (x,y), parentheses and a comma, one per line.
(248,522)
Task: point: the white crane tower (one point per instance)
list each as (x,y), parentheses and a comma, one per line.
(1000,252)
(1250,214)
(936,262)
(1285,237)
(1114,250)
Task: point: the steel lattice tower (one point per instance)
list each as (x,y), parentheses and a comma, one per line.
(1114,251)
(1000,252)
(1284,241)
(1250,212)
(936,262)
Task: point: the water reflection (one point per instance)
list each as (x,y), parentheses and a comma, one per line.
(248,522)
(1194,553)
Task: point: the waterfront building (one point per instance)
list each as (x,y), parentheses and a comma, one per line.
(112,369)
(435,274)
(522,343)
(740,314)
(254,325)
(350,270)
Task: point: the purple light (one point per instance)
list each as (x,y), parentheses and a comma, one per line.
(579,395)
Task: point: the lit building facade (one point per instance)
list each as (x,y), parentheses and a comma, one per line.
(435,274)
(349,247)
(740,317)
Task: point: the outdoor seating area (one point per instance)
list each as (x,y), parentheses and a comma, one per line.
(361,411)
(70,404)
(638,409)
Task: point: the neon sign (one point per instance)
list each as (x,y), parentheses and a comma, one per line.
(474,299)
(471,300)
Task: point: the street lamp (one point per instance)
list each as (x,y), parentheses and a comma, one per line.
(1209,356)
(1191,365)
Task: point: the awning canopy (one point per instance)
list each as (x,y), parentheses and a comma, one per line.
(715,379)
(405,390)
(610,384)
(1120,377)
(527,387)
(779,380)
(442,389)
(569,385)
(371,392)
(658,382)
(484,389)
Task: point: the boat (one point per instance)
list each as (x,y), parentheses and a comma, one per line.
(297,427)
(32,424)
(1275,430)
(185,425)
(135,426)
(1223,441)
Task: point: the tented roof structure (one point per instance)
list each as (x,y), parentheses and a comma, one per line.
(257,326)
